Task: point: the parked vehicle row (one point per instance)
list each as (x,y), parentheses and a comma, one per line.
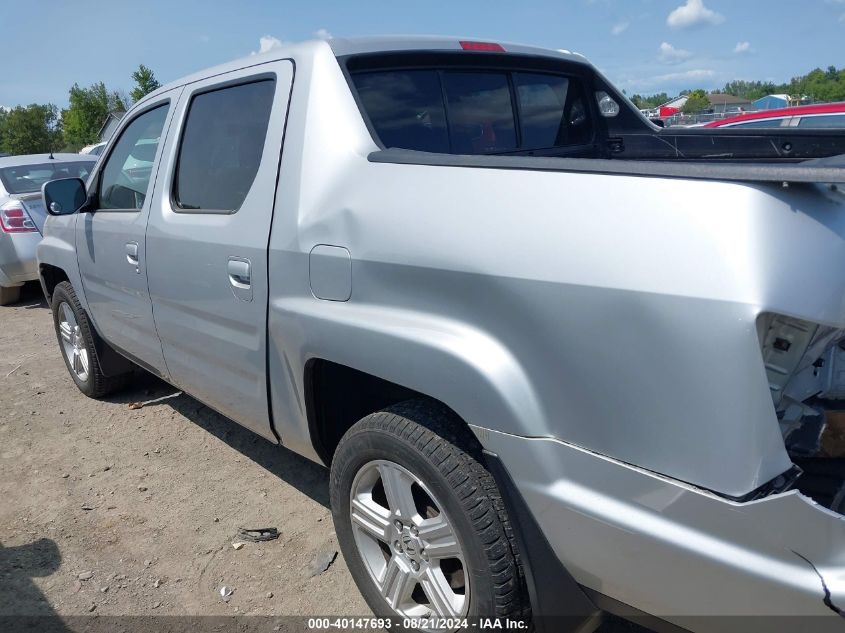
(560,361)
(821,116)
(22,212)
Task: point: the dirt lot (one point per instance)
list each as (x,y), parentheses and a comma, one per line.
(148,501)
(107,510)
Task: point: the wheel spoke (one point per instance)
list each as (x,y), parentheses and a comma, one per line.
(68,316)
(83,358)
(397,582)
(75,361)
(371,518)
(439,538)
(64,328)
(397,487)
(439,593)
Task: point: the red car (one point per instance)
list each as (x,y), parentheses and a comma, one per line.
(820,115)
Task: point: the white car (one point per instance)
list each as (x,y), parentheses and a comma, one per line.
(22,212)
(94,150)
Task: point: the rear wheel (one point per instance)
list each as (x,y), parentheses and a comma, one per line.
(76,340)
(420,520)
(9,295)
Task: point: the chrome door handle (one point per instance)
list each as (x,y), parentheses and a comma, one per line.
(240,274)
(132,253)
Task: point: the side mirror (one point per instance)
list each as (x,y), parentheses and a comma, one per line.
(658,122)
(64,196)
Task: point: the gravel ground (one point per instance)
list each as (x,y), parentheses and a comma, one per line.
(134,511)
(109,510)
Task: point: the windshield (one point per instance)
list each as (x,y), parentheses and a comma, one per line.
(29,178)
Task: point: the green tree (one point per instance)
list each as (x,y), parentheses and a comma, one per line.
(29,129)
(86,112)
(145,82)
(3,115)
(644,102)
(696,102)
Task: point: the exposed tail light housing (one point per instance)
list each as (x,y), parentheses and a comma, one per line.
(488,47)
(13,219)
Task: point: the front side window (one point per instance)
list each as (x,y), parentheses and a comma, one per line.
(221,147)
(125,178)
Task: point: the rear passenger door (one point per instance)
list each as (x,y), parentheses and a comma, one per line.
(208,234)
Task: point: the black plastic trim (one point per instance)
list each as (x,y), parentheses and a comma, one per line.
(824,170)
(631,614)
(558,603)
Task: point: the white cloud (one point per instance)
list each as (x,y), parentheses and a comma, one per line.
(698,73)
(742,47)
(322,34)
(620,27)
(693,13)
(268,43)
(671,55)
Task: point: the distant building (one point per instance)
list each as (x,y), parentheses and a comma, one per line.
(110,125)
(671,107)
(773,102)
(721,103)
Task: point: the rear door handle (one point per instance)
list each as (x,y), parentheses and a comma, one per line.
(240,275)
(132,253)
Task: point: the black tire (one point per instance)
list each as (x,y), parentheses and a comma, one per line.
(431,442)
(96,384)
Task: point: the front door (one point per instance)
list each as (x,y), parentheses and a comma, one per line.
(207,238)
(110,242)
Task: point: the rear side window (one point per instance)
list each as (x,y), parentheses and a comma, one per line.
(823,121)
(222,144)
(760,123)
(474,112)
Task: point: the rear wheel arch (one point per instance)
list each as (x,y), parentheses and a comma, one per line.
(337,396)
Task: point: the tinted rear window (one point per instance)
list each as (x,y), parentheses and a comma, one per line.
(473,111)
(222,146)
(29,178)
(481,118)
(406,108)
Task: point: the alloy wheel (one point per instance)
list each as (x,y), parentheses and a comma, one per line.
(407,543)
(73,342)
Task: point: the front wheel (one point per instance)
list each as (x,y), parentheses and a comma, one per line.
(76,341)
(420,520)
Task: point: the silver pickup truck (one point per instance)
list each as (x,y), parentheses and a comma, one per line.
(560,361)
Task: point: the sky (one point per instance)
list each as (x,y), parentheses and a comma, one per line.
(643,46)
